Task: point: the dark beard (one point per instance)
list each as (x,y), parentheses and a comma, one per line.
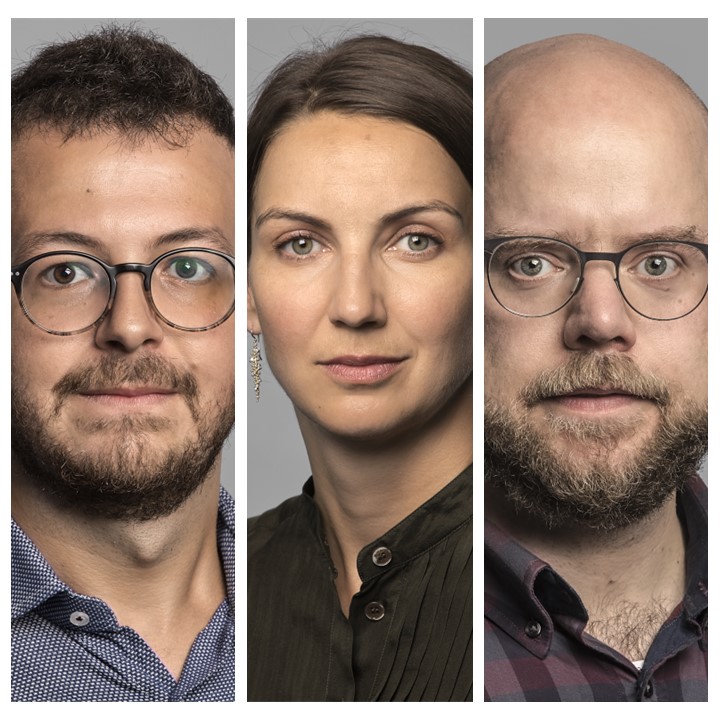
(129,482)
(601,488)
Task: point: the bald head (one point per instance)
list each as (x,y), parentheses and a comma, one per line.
(591,118)
(572,68)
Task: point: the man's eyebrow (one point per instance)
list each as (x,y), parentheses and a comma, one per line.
(36,243)
(667,233)
(207,235)
(387,219)
(673,233)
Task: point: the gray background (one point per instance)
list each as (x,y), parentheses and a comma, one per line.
(682,44)
(209,43)
(277,463)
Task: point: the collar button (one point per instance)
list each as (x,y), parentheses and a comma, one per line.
(79,619)
(382,556)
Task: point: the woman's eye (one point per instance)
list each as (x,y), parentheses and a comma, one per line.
(416,242)
(300,247)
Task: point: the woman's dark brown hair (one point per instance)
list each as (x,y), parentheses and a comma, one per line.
(367,75)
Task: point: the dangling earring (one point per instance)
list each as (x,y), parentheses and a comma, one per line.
(256,365)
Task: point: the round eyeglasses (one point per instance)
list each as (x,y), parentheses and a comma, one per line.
(534,277)
(66,293)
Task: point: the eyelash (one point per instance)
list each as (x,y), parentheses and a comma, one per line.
(282,245)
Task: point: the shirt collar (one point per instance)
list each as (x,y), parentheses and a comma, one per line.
(33,581)
(531,588)
(443,514)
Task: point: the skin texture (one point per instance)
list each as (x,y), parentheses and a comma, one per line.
(363,290)
(596,144)
(124,197)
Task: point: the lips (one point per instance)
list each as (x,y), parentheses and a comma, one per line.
(128,392)
(596,392)
(596,400)
(362,369)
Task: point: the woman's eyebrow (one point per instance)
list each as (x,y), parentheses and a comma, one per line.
(433,205)
(387,219)
(295,215)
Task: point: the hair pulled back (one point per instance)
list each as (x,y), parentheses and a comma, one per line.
(367,75)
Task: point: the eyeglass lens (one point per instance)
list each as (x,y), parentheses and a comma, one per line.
(535,277)
(69,293)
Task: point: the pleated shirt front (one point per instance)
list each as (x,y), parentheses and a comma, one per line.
(408,636)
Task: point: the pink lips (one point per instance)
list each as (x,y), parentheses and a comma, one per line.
(128,397)
(362,369)
(596,400)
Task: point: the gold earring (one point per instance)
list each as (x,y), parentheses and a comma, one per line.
(256,365)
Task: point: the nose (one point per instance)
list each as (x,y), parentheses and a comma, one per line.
(599,318)
(131,322)
(358,298)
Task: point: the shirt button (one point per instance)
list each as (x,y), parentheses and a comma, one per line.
(382,556)
(533,628)
(648,689)
(375,611)
(79,619)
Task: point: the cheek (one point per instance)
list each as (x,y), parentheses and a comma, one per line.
(438,316)
(289,314)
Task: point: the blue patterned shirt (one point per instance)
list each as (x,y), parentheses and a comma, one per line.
(70,647)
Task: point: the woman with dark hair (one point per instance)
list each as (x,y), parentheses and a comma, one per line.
(360,282)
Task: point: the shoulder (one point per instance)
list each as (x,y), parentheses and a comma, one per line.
(279,520)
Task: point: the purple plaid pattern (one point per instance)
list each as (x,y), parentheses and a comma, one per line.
(535,649)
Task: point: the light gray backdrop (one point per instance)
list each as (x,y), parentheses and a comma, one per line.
(209,43)
(277,463)
(682,44)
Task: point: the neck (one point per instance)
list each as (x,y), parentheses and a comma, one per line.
(633,575)
(363,488)
(153,574)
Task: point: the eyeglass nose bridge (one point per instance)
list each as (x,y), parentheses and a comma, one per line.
(113,271)
(586,257)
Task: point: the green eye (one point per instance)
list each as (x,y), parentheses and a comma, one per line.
(302,246)
(189,268)
(186,268)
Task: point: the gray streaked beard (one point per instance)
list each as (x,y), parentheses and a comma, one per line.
(602,487)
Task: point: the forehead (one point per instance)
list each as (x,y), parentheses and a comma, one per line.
(106,188)
(346,162)
(595,161)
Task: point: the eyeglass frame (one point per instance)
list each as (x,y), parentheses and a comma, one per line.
(616,258)
(145,269)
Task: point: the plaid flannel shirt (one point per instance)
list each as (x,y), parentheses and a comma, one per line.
(536,648)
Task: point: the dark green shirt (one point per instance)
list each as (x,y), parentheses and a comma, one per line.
(409,632)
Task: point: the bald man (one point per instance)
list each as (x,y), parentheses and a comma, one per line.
(595,377)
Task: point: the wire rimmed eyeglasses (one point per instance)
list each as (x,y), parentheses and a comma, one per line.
(66,293)
(536,276)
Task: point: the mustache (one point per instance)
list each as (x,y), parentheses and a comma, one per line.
(595,370)
(112,371)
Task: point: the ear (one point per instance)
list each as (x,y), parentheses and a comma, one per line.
(253,321)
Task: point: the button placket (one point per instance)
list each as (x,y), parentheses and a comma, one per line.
(375,611)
